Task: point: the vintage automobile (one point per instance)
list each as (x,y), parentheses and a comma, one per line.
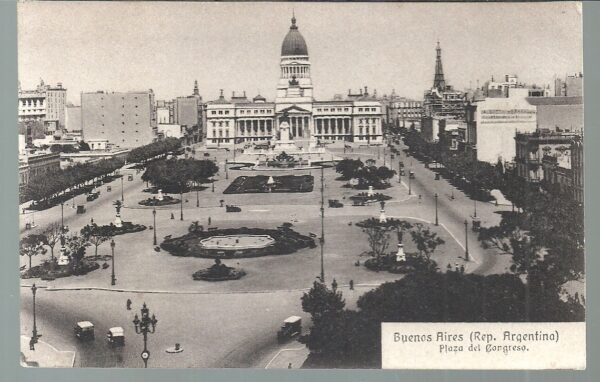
(116,336)
(334,203)
(232,208)
(411,174)
(292,326)
(80,209)
(92,196)
(84,330)
(130,178)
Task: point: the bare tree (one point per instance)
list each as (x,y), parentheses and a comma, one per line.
(52,233)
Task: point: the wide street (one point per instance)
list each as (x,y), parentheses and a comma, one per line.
(234,324)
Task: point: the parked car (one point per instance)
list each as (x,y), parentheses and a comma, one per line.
(334,203)
(411,174)
(92,196)
(84,330)
(229,208)
(116,336)
(292,326)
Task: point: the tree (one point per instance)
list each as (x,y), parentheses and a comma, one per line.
(322,302)
(425,240)
(32,245)
(52,233)
(348,168)
(76,246)
(96,235)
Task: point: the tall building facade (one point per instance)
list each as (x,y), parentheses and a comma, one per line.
(45,104)
(126,119)
(241,119)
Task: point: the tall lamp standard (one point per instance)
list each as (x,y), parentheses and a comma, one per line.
(409,185)
(322,238)
(181,204)
(154,216)
(122,195)
(34,334)
(144,326)
(113,279)
(466,240)
(474,208)
(436,209)
(226,172)
(62,216)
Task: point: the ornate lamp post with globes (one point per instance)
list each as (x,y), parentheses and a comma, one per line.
(154,216)
(144,326)
(113,279)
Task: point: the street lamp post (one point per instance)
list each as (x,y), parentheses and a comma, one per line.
(154,216)
(122,195)
(34,334)
(181,204)
(436,209)
(113,279)
(213,185)
(144,326)
(474,208)
(197,197)
(466,240)
(322,238)
(62,216)
(409,185)
(226,172)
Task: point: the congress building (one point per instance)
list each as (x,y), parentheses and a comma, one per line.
(240,119)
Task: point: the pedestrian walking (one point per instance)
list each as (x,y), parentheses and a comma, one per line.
(92,220)
(128,304)
(334,285)
(209,220)
(32,344)
(172,216)
(351,284)
(420,197)
(289,365)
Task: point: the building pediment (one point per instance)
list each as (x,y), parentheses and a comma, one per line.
(294,109)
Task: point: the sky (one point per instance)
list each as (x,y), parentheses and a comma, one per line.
(122,46)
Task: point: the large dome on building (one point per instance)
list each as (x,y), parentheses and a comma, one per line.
(293,43)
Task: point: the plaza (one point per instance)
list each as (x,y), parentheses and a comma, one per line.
(269,292)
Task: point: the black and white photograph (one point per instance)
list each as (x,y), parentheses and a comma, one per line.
(299,185)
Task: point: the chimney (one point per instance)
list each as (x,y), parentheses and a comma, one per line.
(232,94)
(349,91)
(244,94)
(221,96)
(360,91)
(366,91)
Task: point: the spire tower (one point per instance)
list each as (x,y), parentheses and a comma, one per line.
(438,81)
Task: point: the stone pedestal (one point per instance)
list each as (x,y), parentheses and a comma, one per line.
(118,221)
(160,196)
(63,259)
(400,255)
(382,217)
(370,192)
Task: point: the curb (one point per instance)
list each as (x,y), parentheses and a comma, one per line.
(64,289)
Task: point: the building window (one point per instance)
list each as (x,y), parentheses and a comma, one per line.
(226,112)
(213,112)
(220,112)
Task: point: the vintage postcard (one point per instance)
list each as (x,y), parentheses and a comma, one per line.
(301,185)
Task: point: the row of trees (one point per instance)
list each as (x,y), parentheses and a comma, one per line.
(47,187)
(153,150)
(75,245)
(176,175)
(365,174)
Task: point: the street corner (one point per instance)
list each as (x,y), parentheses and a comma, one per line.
(42,354)
(290,356)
